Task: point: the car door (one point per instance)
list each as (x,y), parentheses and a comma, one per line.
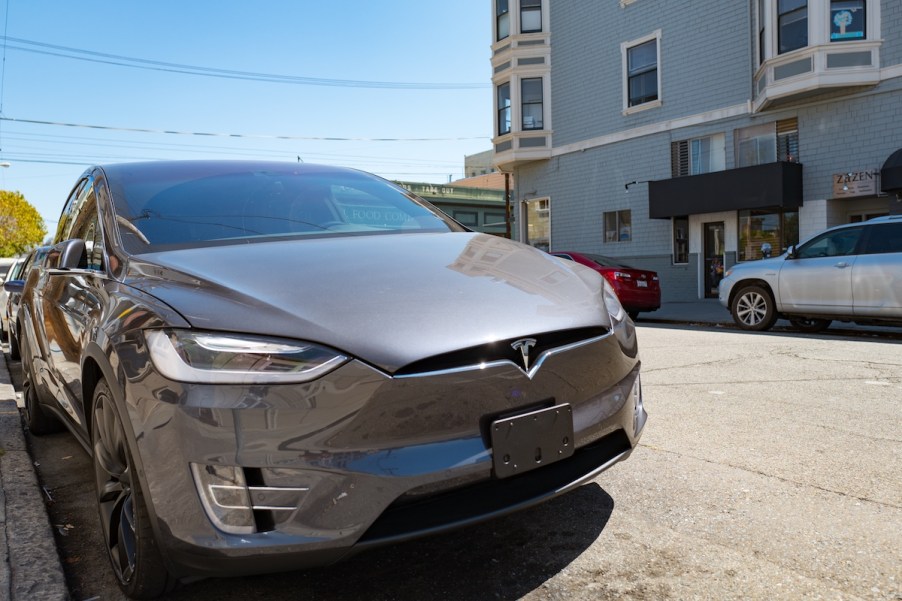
(817,278)
(70,306)
(877,273)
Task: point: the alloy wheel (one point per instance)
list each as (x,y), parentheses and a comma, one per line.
(115,496)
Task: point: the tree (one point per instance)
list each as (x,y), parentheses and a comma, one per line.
(21,226)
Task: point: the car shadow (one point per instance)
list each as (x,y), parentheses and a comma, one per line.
(506,558)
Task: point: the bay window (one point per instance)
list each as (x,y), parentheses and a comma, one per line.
(531,103)
(792,25)
(502,19)
(504,108)
(530,16)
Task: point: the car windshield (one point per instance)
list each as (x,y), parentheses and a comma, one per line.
(204,204)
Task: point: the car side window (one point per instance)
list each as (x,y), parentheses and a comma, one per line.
(87,228)
(68,214)
(884,238)
(838,243)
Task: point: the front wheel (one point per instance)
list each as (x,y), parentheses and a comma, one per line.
(753,309)
(809,326)
(124,518)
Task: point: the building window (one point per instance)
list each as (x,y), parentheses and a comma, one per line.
(767,143)
(792,24)
(618,226)
(502,19)
(788,140)
(642,73)
(537,223)
(680,240)
(530,16)
(696,156)
(847,20)
(467,218)
(531,97)
(504,109)
(756,145)
(761,28)
(764,234)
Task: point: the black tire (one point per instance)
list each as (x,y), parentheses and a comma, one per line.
(38,421)
(809,325)
(124,519)
(753,309)
(14,352)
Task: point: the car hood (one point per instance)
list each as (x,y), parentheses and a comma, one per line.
(759,266)
(387,299)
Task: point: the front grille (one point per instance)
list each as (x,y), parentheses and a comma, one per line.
(407,518)
(499,350)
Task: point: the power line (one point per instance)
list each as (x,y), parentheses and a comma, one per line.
(227,135)
(154,65)
(37,139)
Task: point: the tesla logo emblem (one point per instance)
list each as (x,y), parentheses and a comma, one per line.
(523,345)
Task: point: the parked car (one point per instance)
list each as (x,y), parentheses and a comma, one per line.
(638,289)
(851,272)
(276,365)
(12,274)
(13,287)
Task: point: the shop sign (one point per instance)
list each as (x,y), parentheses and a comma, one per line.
(854,183)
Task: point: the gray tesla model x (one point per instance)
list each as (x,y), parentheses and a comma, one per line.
(276,365)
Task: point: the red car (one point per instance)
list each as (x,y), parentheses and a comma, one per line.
(637,289)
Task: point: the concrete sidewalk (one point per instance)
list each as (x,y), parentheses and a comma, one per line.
(30,568)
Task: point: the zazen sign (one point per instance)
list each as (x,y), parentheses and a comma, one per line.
(855,183)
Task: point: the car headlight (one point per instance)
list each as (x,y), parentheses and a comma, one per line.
(216,358)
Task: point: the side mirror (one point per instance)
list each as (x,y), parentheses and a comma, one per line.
(14,286)
(791,252)
(70,254)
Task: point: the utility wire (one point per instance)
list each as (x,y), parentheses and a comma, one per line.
(153,65)
(227,135)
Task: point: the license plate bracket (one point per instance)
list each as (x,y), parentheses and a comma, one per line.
(527,441)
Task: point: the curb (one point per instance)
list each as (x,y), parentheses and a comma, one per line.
(30,567)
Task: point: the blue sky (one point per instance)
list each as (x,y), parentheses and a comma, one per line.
(428,63)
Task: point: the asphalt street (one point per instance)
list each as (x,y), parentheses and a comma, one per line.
(769,469)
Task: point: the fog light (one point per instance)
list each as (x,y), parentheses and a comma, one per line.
(225,496)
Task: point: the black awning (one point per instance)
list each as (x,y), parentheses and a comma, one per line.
(891,173)
(774,185)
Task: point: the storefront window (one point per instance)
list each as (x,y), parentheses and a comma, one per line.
(764,234)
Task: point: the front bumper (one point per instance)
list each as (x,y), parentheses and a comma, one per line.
(359,458)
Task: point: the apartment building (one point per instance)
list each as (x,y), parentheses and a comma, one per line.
(684,136)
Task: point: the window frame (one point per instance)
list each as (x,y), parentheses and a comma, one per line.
(627,77)
(682,249)
(523,104)
(787,14)
(502,12)
(619,225)
(503,112)
(832,20)
(532,7)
